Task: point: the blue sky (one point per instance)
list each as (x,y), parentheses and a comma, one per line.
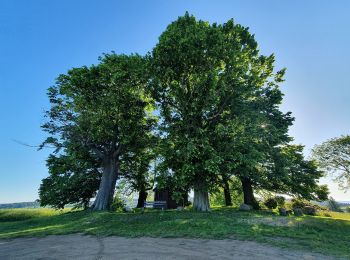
(41,39)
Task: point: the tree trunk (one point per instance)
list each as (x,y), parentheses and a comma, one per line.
(200,200)
(142,198)
(227,193)
(248,193)
(105,192)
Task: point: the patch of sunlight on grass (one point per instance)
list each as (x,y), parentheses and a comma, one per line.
(255,227)
(182,221)
(27,213)
(91,229)
(340,215)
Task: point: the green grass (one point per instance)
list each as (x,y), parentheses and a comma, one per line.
(328,235)
(25,213)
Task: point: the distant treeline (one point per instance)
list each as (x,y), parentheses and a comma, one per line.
(344,203)
(17,205)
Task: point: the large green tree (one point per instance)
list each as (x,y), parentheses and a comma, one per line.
(205,77)
(334,156)
(105,110)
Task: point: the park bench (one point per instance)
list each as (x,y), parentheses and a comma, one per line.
(155,204)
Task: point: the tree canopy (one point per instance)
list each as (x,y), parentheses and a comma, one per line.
(334,156)
(105,110)
(217,98)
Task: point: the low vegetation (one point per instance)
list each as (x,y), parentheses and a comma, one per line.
(327,235)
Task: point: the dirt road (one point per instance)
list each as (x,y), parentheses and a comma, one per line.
(89,247)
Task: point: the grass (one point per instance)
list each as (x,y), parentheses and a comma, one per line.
(25,213)
(327,235)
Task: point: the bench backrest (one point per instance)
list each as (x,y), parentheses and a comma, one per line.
(155,204)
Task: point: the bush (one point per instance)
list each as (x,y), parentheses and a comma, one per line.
(299,203)
(271,203)
(281,201)
(118,204)
(347,209)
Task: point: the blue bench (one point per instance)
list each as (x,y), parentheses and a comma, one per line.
(155,204)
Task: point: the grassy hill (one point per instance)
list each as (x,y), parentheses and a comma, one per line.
(319,234)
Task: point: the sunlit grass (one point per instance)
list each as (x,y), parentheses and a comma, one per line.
(22,214)
(329,235)
(340,215)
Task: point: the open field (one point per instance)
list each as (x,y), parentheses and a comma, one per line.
(329,236)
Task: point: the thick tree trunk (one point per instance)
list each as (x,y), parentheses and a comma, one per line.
(248,192)
(227,193)
(200,200)
(105,192)
(142,198)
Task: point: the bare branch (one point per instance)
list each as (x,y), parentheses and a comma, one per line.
(33,146)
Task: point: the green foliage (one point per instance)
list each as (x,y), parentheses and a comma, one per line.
(218,98)
(280,201)
(217,198)
(136,169)
(312,234)
(271,203)
(236,191)
(219,102)
(299,203)
(74,179)
(334,157)
(305,205)
(102,113)
(118,203)
(294,175)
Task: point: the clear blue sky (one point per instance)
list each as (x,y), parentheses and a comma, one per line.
(41,39)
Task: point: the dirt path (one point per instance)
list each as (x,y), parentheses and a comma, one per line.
(89,247)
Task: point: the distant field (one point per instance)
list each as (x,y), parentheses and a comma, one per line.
(318,234)
(28,213)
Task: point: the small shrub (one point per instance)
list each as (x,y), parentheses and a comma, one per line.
(299,203)
(271,203)
(347,209)
(118,204)
(281,201)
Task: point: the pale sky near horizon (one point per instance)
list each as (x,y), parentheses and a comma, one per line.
(41,39)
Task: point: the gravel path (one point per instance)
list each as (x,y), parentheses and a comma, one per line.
(79,246)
